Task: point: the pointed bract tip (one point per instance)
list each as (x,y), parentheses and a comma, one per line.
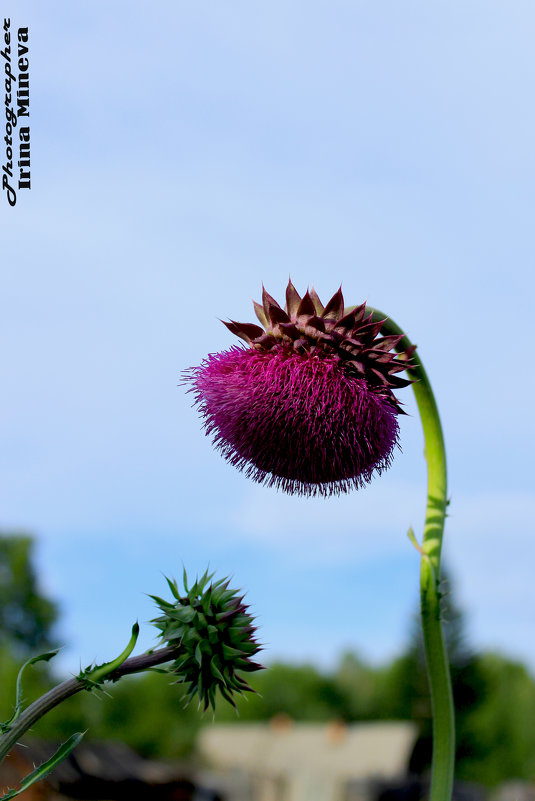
(213,627)
(261,405)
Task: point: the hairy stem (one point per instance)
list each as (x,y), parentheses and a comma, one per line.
(58,694)
(435,648)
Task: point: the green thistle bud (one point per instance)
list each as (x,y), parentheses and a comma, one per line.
(213,630)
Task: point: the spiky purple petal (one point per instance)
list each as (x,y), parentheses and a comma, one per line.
(299,421)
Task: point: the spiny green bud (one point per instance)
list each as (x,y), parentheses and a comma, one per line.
(213,630)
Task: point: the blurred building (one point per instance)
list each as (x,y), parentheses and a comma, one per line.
(279,761)
(287,761)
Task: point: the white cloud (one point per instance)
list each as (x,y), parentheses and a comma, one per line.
(479,525)
(489,541)
(489,547)
(362,524)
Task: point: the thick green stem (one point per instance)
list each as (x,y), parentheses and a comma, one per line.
(435,648)
(66,689)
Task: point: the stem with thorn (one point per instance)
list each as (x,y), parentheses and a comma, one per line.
(58,694)
(430,549)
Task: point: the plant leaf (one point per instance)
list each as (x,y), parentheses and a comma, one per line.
(44,769)
(46,657)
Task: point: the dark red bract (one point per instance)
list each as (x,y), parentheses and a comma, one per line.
(308,407)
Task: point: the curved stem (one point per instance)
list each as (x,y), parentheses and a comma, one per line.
(56,695)
(435,648)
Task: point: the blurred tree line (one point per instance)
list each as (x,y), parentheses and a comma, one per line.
(494,696)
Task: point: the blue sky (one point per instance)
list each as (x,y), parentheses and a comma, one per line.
(184,153)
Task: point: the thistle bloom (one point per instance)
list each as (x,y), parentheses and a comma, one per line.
(308,406)
(214,631)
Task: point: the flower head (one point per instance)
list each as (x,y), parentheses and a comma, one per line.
(308,406)
(214,631)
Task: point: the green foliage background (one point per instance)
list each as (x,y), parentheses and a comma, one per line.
(27,617)
(495,697)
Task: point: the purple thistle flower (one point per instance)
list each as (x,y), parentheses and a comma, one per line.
(308,407)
